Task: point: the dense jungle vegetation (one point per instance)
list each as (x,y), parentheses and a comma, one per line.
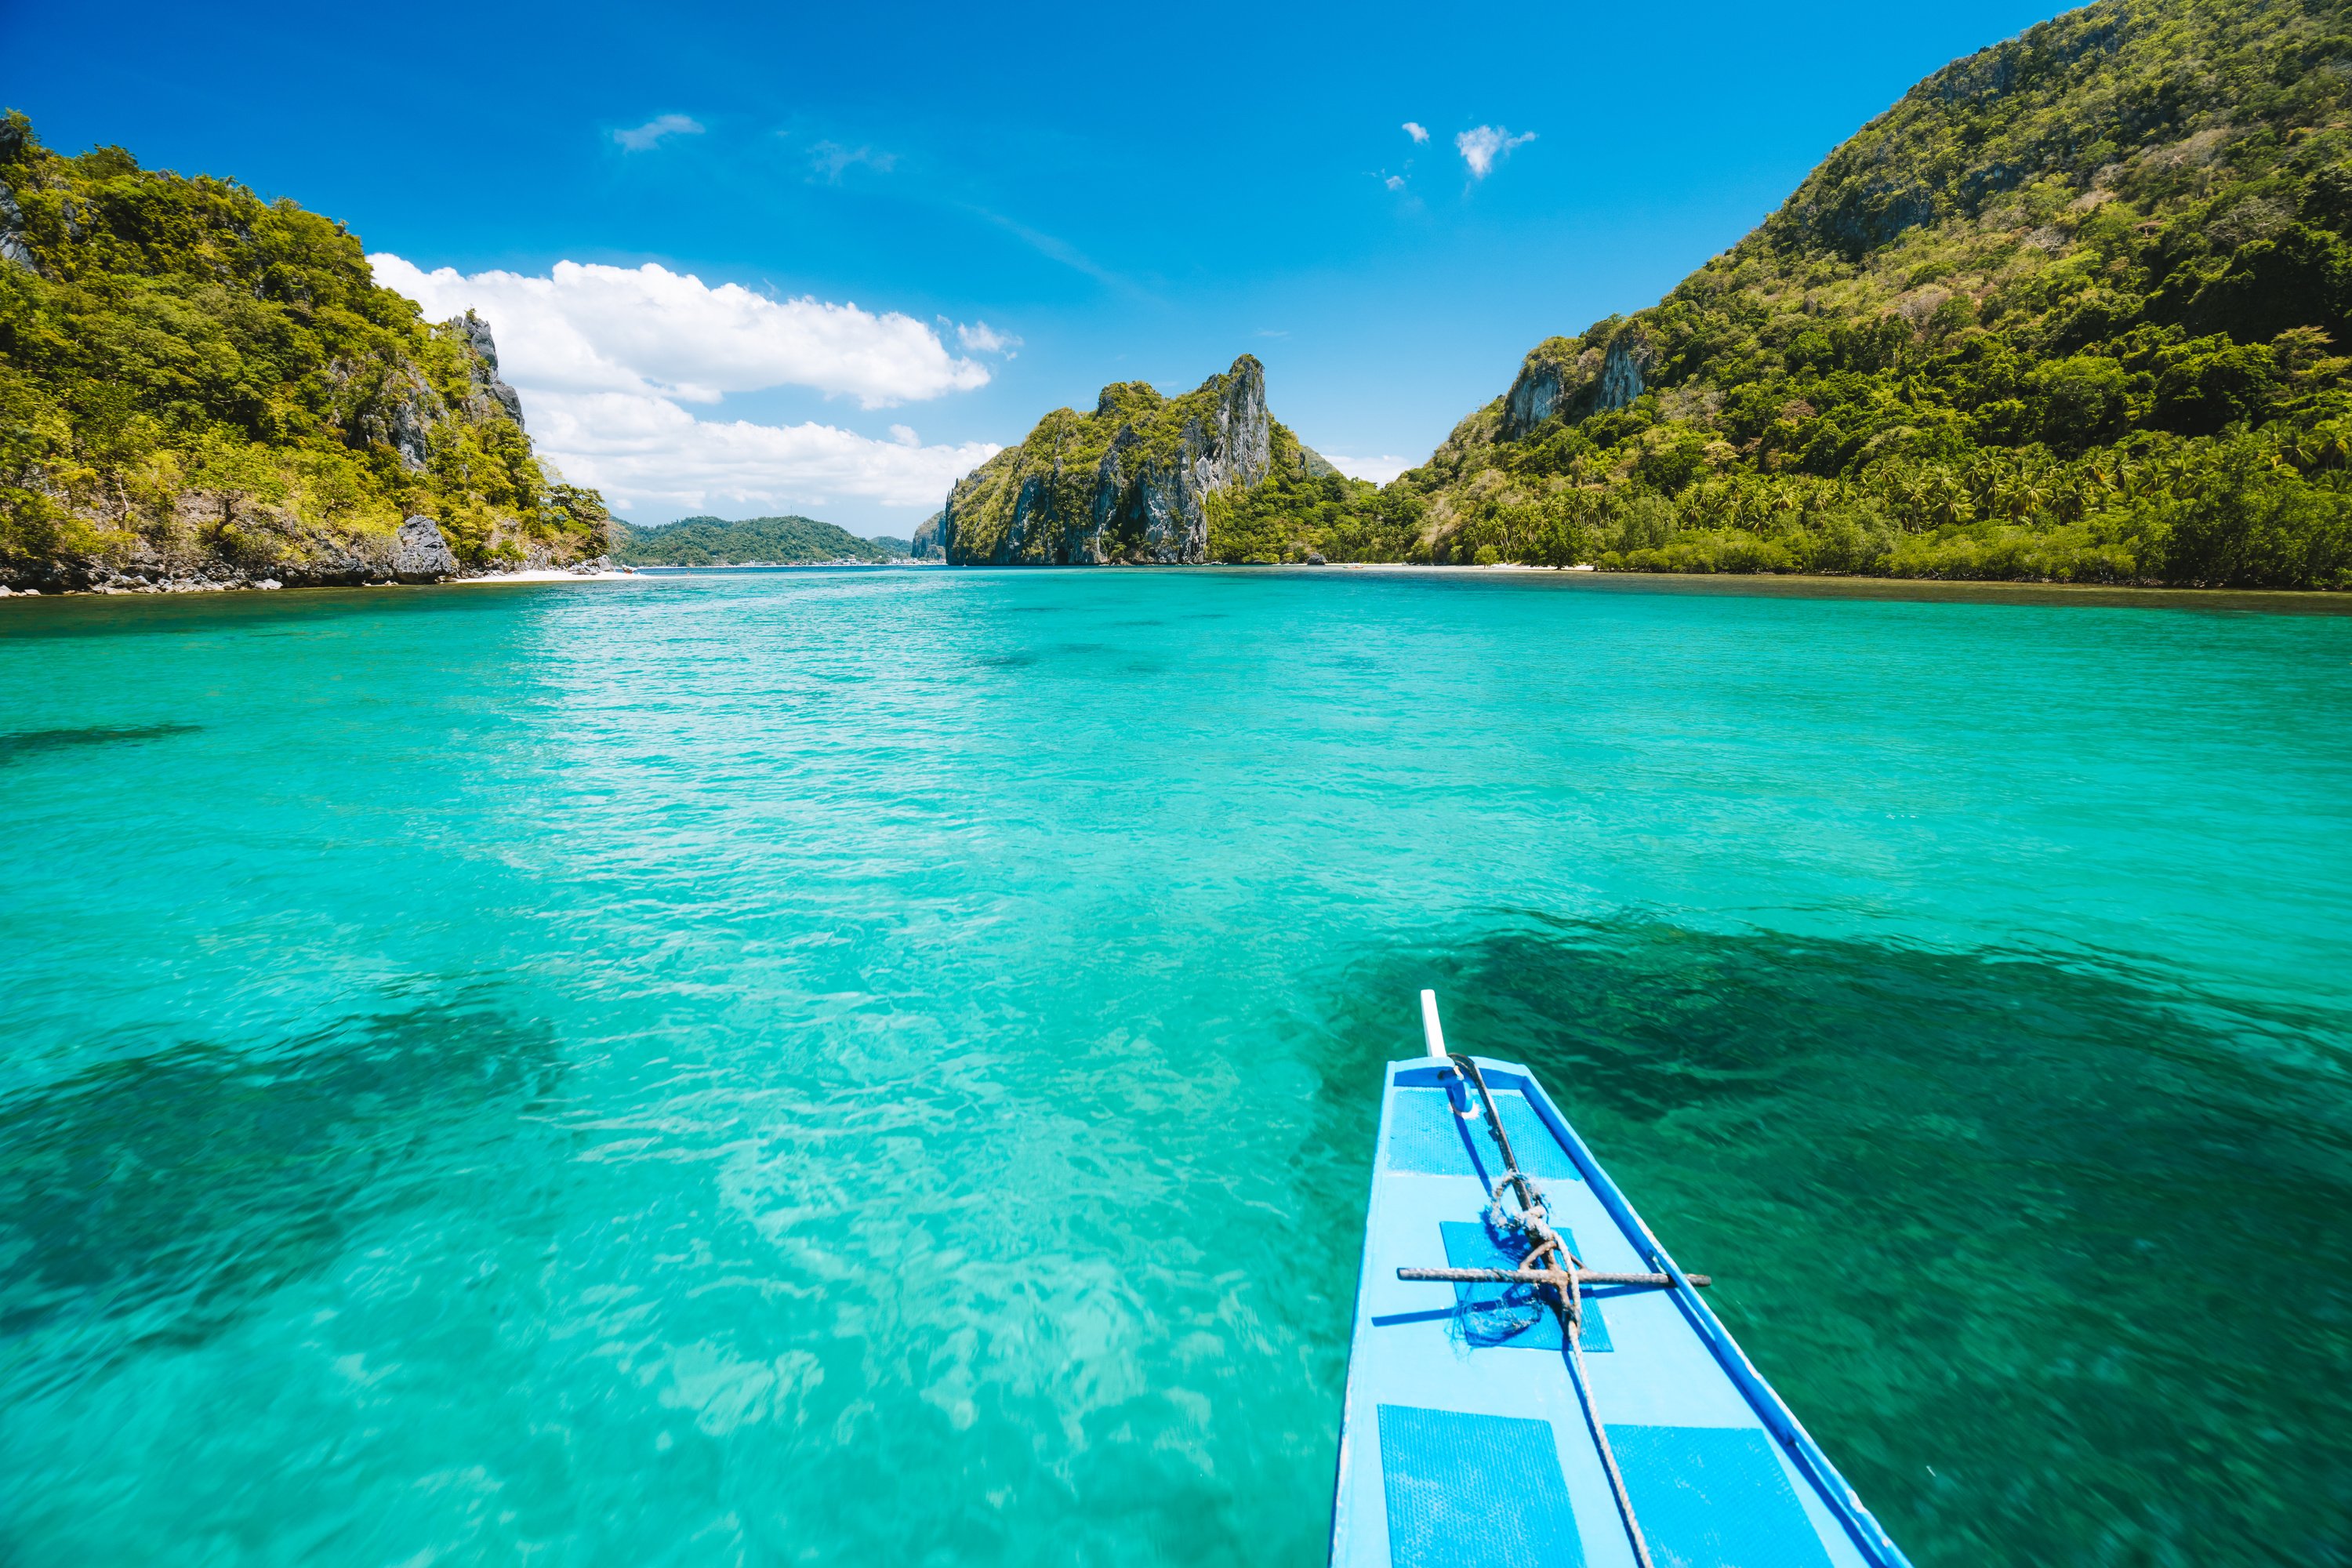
(755,541)
(2074,308)
(186,367)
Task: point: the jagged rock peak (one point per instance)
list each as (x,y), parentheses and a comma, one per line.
(1129,482)
(475,333)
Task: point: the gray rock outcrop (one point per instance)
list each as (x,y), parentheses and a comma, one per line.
(398,411)
(487,384)
(1575,379)
(924,545)
(279,556)
(419,554)
(13,248)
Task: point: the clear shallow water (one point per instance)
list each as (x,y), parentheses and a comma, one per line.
(824,1067)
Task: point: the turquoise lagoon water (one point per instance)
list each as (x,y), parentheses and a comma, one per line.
(881,1068)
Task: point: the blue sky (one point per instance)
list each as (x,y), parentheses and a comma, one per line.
(1022,204)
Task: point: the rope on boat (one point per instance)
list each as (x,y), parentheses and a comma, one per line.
(1557,1278)
(1533,1225)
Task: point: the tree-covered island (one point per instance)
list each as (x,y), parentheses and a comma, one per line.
(200,388)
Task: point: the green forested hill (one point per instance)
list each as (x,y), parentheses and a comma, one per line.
(204,383)
(756,541)
(2078,307)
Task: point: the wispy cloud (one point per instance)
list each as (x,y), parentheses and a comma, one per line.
(1395,182)
(646,137)
(1417,131)
(981,337)
(1057,249)
(832,160)
(1482,146)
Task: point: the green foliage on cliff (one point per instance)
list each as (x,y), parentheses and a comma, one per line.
(757,541)
(1302,508)
(2074,308)
(186,367)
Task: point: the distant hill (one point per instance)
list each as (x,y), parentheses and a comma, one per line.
(751,541)
(2079,306)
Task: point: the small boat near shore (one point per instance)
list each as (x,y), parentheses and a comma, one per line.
(1533,1380)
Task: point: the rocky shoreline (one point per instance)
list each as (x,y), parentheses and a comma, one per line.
(417,552)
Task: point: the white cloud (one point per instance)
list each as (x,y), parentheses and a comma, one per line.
(1482,146)
(981,337)
(645,138)
(648,330)
(1379,470)
(1418,131)
(654,459)
(604,357)
(1395,182)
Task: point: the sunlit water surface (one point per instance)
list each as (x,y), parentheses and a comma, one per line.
(881,1068)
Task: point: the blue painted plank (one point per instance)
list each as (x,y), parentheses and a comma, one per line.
(1474,1491)
(1713,1497)
(1428,1138)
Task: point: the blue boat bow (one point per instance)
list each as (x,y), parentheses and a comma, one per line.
(1478,1431)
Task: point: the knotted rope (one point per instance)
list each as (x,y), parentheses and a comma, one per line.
(1564,1275)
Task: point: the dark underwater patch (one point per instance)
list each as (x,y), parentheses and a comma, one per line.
(168,1193)
(20,744)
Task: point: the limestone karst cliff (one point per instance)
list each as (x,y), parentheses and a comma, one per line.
(1136,482)
(925,544)
(1575,379)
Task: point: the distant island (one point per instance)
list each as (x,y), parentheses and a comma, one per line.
(751,541)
